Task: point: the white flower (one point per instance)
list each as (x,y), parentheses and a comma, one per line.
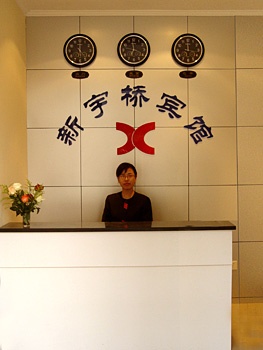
(15,187)
(39,199)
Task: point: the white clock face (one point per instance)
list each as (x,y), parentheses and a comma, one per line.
(188,50)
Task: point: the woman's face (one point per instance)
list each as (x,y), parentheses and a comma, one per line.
(127,179)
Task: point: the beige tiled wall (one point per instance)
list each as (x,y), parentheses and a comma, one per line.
(249,72)
(220,178)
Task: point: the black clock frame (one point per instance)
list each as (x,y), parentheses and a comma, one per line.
(175,48)
(93,52)
(120,48)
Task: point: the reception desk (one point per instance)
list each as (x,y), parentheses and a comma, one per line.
(97,286)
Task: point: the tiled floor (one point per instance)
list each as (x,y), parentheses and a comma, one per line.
(247,326)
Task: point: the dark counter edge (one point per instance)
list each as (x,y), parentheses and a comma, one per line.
(119,226)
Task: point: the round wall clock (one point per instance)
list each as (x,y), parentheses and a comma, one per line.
(133,49)
(188,50)
(80,50)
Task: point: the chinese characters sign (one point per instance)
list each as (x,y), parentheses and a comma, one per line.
(69,131)
(136,97)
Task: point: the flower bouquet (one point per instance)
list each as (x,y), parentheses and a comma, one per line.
(24,201)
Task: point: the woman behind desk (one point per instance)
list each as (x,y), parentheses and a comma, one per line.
(127,205)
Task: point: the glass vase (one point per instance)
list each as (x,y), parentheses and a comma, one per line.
(26,220)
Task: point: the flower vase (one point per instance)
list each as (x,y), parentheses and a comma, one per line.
(26,220)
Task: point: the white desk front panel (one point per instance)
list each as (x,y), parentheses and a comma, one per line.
(116,291)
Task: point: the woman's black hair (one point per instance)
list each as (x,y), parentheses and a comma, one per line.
(124,167)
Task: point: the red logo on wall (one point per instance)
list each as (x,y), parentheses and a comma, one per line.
(135,137)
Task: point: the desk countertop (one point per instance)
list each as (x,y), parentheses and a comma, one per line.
(119,226)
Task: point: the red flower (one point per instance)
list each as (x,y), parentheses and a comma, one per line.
(25,198)
(39,187)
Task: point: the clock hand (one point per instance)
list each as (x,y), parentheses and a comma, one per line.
(187,47)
